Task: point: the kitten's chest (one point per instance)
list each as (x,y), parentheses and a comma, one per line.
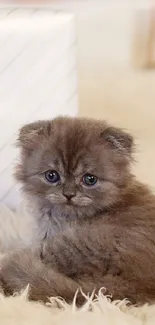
(54,223)
(50,221)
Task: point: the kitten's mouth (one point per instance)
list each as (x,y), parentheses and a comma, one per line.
(77,203)
(69,202)
(72,202)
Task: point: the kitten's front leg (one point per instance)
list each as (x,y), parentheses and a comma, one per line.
(23,268)
(82,250)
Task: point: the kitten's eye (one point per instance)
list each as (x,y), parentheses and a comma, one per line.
(52,176)
(89,179)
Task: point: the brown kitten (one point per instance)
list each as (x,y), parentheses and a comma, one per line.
(73,148)
(98,221)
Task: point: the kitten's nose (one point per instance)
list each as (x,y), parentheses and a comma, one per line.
(69,196)
(69,190)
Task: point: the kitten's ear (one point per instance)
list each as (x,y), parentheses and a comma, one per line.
(31,134)
(118,139)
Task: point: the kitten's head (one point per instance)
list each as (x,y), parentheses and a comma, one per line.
(79,165)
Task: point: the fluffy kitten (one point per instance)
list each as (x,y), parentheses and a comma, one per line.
(97,221)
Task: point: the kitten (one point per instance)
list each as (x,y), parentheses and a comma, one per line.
(97,221)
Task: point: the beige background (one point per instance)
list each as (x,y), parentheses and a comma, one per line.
(110,87)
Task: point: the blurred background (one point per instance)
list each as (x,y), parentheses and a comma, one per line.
(114,59)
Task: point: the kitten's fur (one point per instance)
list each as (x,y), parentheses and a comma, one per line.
(104,236)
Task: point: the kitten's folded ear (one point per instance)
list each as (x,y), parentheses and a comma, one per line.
(33,133)
(118,139)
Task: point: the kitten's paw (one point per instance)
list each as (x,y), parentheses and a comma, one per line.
(15,272)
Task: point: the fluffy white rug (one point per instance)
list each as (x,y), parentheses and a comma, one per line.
(18,310)
(17,229)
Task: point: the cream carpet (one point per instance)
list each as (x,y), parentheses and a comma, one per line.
(18,310)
